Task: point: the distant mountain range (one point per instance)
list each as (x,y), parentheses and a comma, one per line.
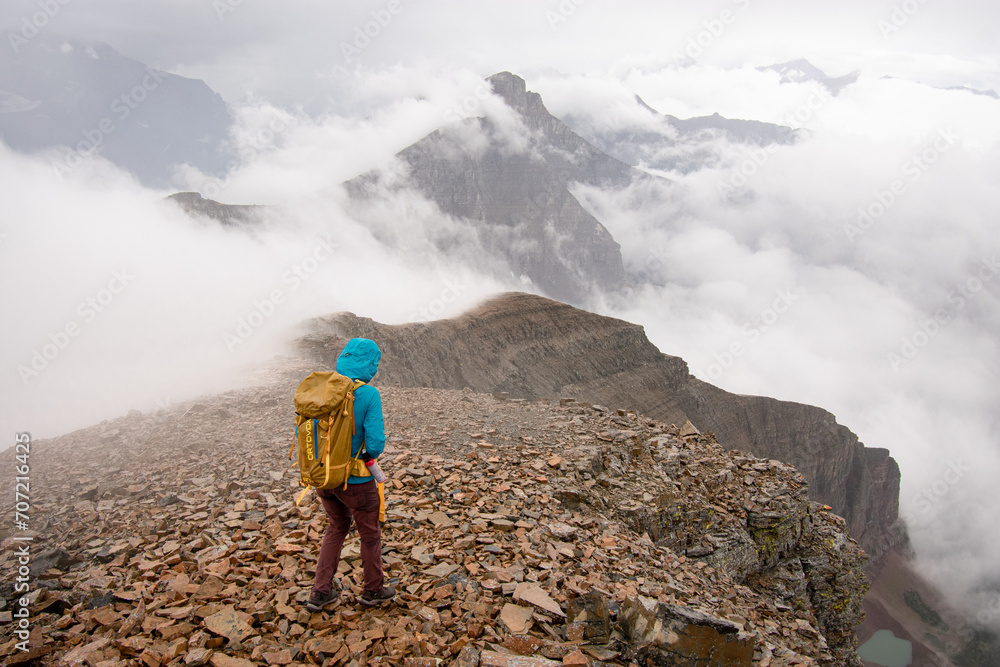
(671,144)
(989,92)
(87,98)
(82,98)
(975,91)
(510,187)
(802,71)
(513,198)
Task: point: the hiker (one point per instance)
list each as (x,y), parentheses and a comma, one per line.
(360,498)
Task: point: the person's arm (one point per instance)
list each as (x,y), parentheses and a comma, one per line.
(373,424)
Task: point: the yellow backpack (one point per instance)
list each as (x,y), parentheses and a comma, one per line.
(324,426)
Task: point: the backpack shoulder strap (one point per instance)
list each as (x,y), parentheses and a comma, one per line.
(350,403)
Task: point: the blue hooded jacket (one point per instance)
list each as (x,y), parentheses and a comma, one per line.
(359,361)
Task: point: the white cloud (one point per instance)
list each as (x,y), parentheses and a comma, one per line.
(121,301)
(894,330)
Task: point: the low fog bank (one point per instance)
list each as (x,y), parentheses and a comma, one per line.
(857,270)
(119,301)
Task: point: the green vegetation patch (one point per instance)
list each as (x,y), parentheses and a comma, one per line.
(915,601)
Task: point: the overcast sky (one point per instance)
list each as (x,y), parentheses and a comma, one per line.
(347,101)
(289,51)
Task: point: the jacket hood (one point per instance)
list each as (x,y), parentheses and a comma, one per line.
(359,360)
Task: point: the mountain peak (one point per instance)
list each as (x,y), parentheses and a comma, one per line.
(507,84)
(802,71)
(501,188)
(513,90)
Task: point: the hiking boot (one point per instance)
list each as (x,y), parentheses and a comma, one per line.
(317,600)
(370,599)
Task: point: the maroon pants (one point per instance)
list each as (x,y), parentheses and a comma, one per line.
(359,501)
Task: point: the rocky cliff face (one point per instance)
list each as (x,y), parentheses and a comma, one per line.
(511,185)
(87,98)
(564,149)
(533,347)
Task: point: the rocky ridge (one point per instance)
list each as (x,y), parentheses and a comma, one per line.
(228,215)
(666,143)
(518,533)
(803,71)
(533,347)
